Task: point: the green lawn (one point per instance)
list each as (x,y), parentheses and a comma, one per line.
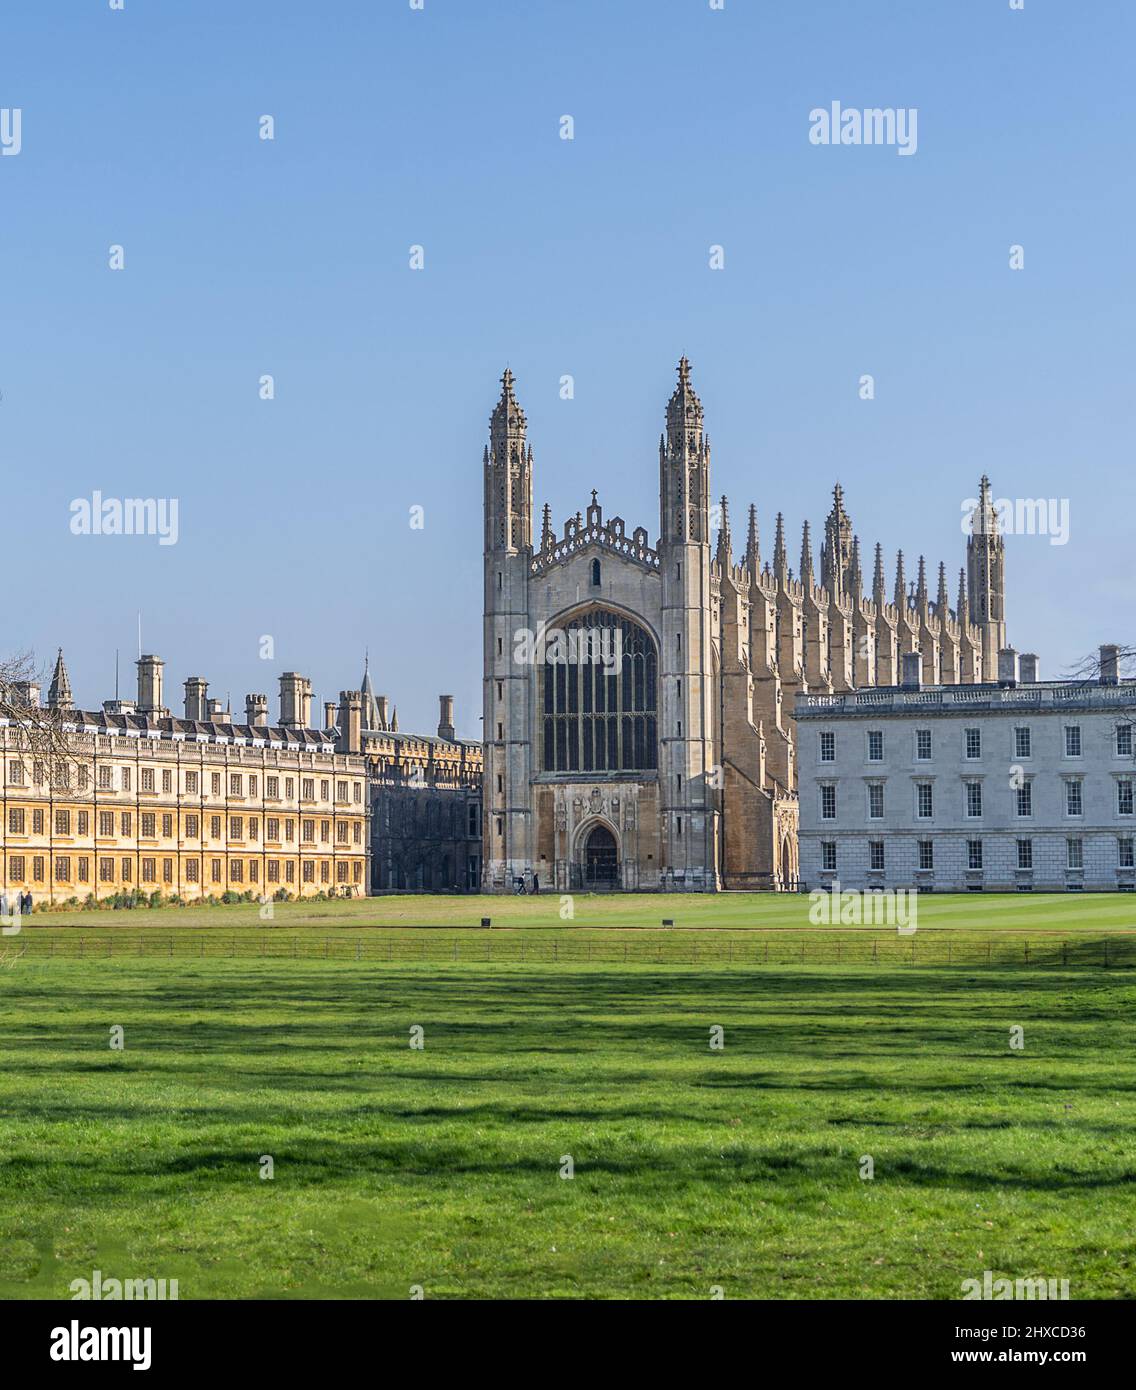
(1062,912)
(693,1168)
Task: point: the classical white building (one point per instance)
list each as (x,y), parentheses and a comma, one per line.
(1016,785)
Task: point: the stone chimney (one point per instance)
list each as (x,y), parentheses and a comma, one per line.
(384,712)
(911,668)
(256,711)
(295,701)
(216,712)
(1109,665)
(350,722)
(196,704)
(1027,668)
(329,714)
(150,685)
(446,717)
(27,693)
(1008,667)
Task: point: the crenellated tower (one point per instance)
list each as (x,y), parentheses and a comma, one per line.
(689,801)
(507,685)
(986,578)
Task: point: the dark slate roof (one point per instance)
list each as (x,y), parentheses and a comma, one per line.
(99,722)
(405,735)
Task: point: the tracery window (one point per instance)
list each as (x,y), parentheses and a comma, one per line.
(599,697)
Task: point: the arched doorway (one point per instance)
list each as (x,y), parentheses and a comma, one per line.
(788,874)
(601,859)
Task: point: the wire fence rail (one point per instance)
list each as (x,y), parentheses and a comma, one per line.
(941,949)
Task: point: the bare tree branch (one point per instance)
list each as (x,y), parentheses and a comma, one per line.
(33,729)
(1087,671)
(1088,668)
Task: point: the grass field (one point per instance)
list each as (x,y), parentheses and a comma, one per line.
(1035,912)
(439,1167)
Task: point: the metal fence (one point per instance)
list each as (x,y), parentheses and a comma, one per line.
(751,950)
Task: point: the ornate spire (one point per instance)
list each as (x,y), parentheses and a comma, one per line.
(547,537)
(879,583)
(921,586)
(984,518)
(59,693)
(963,609)
(806,557)
(780,560)
(942,602)
(508,475)
(684,411)
(855,573)
(836,552)
(900,598)
(394,720)
(684,467)
(753,545)
(370,705)
(507,406)
(725,552)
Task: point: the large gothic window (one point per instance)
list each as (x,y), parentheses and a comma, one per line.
(600,697)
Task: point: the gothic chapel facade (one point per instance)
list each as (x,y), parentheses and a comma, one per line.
(669,765)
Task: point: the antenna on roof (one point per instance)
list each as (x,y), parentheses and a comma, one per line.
(116,673)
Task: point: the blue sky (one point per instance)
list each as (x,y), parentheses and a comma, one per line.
(589,257)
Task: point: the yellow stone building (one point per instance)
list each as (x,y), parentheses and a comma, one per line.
(141,801)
